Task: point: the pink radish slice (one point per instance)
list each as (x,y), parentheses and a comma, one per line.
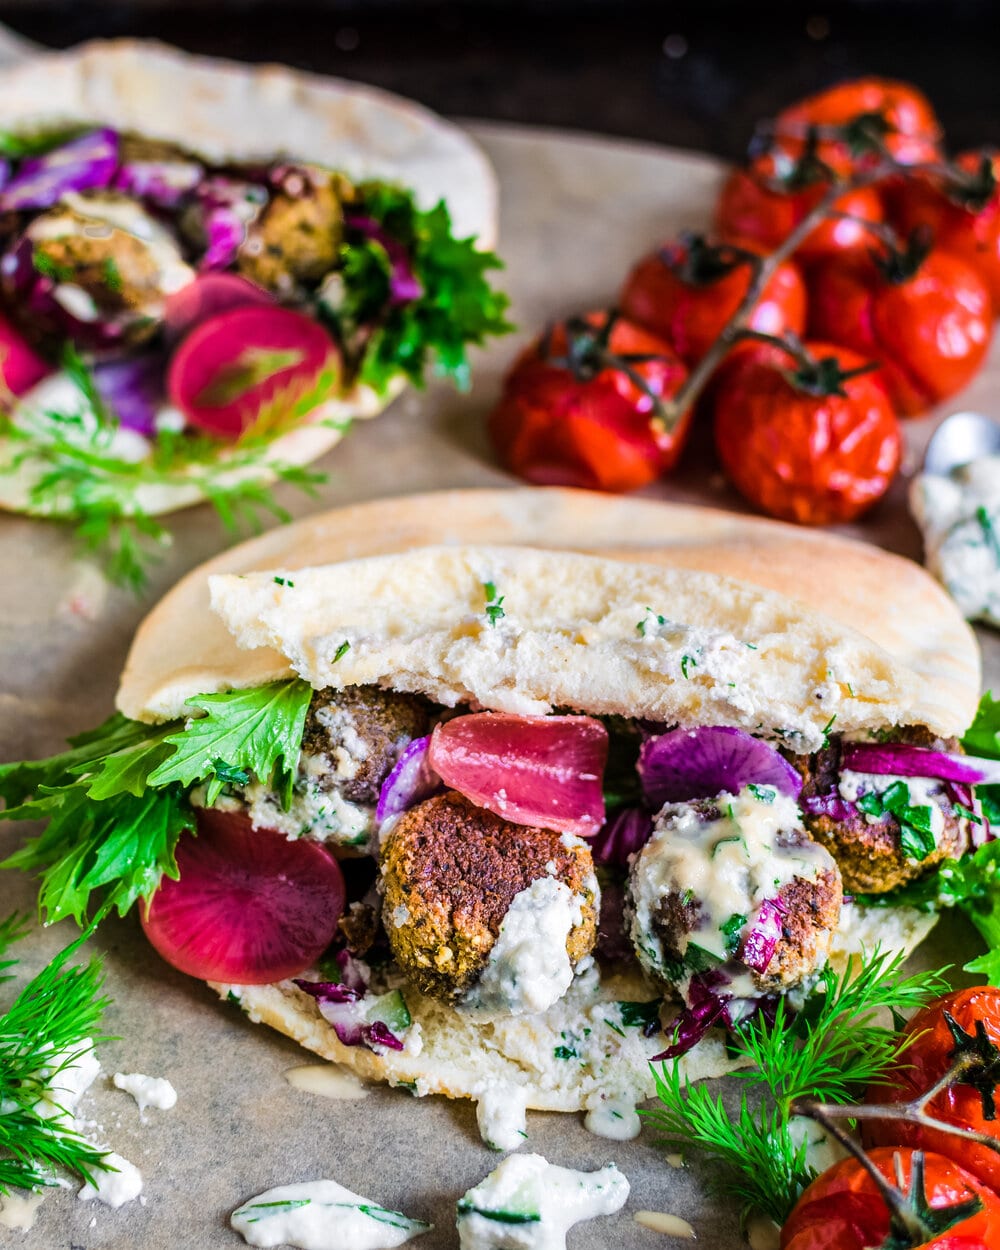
(20,368)
(206,296)
(250,907)
(231,366)
(531,770)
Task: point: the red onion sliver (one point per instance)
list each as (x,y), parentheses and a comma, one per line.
(759,945)
(701,763)
(411,780)
(902,760)
(625,833)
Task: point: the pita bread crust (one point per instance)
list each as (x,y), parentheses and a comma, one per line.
(892,601)
(460,1059)
(729,653)
(222,109)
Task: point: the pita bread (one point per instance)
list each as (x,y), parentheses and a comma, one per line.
(225,110)
(417,617)
(903,613)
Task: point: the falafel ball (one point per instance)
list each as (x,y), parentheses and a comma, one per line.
(108,267)
(878,849)
(296,240)
(484,913)
(354,737)
(733,886)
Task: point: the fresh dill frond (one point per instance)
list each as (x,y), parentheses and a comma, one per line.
(12,929)
(52,1023)
(830,1051)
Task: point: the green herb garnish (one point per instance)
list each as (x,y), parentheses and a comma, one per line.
(494,604)
(829,1051)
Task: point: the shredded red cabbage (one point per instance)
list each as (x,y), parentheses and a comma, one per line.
(701,763)
(228,207)
(625,833)
(404,285)
(760,943)
(704,1008)
(411,781)
(84,164)
(341,1006)
(162,184)
(133,390)
(902,760)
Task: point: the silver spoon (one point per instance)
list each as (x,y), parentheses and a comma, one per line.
(960,439)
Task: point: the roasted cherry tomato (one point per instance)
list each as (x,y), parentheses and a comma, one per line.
(580,406)
(843,1209)
(927,320)
(939,1032)
(911,130)
(964,220)
(750,208)
(687,292)
(813,445)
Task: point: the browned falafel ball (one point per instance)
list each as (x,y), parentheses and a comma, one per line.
(483,912)
(107,263)
(354,737)
(733,887)
(296,239)
(878,849)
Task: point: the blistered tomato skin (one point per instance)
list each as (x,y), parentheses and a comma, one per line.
(972,235)
(843,1210)
(914,132)
(798,456)
(692,315)
(930,333)
(750,209)
(554,428)
(925,1061)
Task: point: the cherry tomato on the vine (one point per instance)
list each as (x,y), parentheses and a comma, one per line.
(962,222)
(933,1046)
(911,130)
(686,293)
(812,445)
(843,1210)
(581,406)
(752,208)
(926,320)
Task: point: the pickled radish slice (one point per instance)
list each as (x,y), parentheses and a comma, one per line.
(250,907)
(713,759)
(208,295)
(532,770)
(20,368)
(231,367)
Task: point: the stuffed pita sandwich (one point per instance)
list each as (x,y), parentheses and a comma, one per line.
(503,820)
(208,270)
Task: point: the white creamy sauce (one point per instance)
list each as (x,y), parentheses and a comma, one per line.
(728,867)
(529,967)
(313,813)
(106,214)
(58,393)
(501,1114)
(18,1211)
(762,1233)
(68,1077)
(666,1223)
(924,792)
(822,1151)
(321,1215)
(115,1188)
(959,514)
(613,1118)
(148,1091)
(329,1080)
(528,1203)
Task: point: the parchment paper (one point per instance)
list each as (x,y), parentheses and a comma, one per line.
(575,213)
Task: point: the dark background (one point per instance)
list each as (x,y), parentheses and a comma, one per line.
(689,74)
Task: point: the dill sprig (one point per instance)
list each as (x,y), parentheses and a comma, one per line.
(51,1024)
(830,1050)
(78,474)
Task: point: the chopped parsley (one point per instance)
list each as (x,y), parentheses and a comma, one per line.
(494,604)
(341,651)
(916,832)
(731,930)
(565,1052)
(688,661)
(284,581)
(641,1015)
(650,620)
(763,794)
